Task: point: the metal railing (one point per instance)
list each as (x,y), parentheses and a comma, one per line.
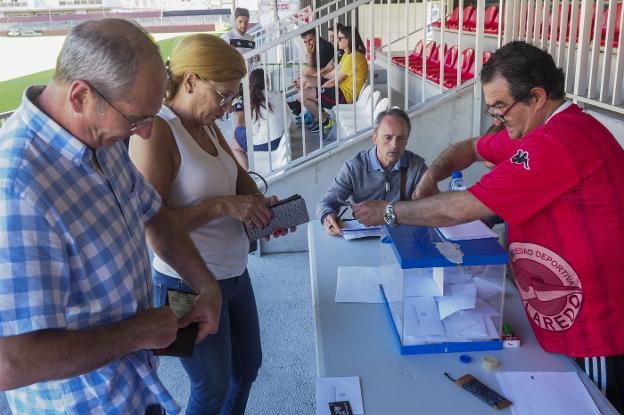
(392,30)
(586,44)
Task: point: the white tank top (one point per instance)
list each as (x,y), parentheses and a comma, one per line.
(221,242)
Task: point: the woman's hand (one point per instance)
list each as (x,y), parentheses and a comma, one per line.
(251,210)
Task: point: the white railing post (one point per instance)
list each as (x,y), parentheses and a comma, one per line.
(247,110)
(459,41)
(423,57)
(619,66)
(476,107)
(406,67)
(353,70)
(389,43)
(594,68)
(265,75)
(571,55)
(553,25)
(371,6)
(581,73)
(285,110)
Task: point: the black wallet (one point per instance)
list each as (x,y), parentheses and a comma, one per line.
(184,343)
(286,214)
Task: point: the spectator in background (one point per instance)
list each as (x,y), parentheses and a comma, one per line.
(193,169)
(387,171)
(238,36)
(309,77)
(333,39)
(343,75)
(76,324)
(268,121)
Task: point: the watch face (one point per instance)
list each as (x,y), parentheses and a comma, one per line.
(389,216)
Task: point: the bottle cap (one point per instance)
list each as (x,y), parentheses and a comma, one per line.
(456,174)
(465,358)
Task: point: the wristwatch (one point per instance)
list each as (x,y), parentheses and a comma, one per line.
(389,215)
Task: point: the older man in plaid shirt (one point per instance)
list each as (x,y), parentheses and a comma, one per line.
(76,324)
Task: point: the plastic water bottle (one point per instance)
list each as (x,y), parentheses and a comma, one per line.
(457,182)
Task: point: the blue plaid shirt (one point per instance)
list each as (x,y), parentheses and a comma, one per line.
(73,256)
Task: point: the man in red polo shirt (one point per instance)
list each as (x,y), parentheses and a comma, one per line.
(557,182)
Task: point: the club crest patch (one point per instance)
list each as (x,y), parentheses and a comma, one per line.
(550,289)
(521,157)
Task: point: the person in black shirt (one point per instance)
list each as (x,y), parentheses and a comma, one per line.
(309,77)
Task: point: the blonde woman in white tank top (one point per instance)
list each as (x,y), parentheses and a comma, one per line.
(192,167)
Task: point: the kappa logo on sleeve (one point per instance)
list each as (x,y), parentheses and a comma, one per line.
(521,157)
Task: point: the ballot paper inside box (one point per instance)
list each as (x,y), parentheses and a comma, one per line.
(442,296)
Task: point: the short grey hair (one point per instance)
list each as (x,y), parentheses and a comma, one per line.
(106,53)
(393,112)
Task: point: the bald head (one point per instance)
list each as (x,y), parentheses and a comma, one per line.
(108,53)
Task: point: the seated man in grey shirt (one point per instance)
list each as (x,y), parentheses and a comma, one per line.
(387,171)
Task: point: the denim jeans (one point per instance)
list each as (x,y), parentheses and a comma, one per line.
(224,364)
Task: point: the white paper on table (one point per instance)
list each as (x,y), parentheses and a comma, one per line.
(465,325)
(419,282)
(421,317)
(486,289)
(338,389)
(361,285)
(553,393)
(459,297)
(482,309)
(353,229)
(471,230)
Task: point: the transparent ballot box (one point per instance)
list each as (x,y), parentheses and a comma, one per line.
(441,295)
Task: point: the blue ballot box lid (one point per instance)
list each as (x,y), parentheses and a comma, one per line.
(416,247)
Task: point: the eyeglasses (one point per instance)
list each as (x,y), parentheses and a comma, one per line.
(226,99)
(134,125)
(500,117)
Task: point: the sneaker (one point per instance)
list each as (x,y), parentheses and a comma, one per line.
(314,127)
(297,120)
(327,126)
(308,118)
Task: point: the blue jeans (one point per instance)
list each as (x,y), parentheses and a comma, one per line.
(224,364)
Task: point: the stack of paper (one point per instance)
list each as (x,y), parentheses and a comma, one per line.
(466,231)
(353,229)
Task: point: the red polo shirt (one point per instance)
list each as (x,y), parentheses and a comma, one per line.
(561,191)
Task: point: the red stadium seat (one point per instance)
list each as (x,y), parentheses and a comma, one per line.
(452,19)
(430,50)
(433,59)
(467,69)
(450,65)
(490,22)
(468,12)
(486,56)
(412,57)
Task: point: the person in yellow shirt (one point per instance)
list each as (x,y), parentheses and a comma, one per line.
(343,75)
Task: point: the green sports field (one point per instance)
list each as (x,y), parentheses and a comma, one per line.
(11,90)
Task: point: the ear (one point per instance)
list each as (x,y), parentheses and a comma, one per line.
(79,95)
(540,96)
(374,137)
(188,82)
